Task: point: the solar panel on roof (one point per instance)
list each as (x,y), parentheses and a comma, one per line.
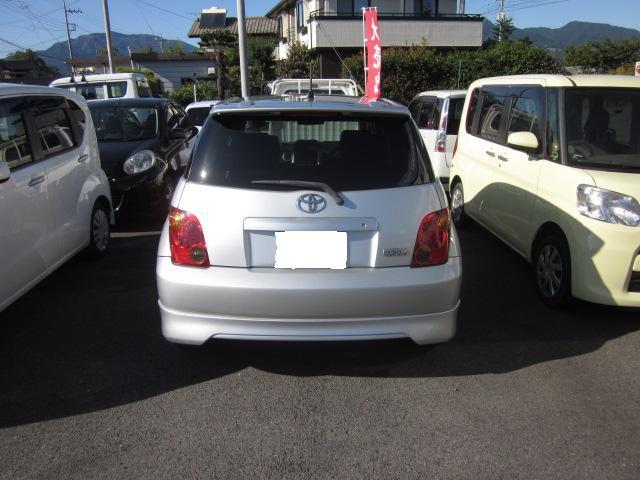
(212,20)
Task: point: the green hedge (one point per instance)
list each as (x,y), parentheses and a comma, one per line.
(407,71)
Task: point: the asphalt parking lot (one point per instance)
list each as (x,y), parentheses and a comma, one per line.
(89,388)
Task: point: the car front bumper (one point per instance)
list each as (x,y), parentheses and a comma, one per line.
(270,304)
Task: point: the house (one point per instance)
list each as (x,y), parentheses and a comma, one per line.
(212,19)
(333,28)
(30,71)
(176,69)
(99,64)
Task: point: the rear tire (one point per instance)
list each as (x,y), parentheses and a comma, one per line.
(552,270)
(99,230)
(460,219)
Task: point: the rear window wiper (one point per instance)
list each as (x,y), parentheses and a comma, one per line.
(301,183)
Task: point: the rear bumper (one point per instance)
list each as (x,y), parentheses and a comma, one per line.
(264,303)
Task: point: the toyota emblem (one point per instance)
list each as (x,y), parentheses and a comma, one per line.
(311,203)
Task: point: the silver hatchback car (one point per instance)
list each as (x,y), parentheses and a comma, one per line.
(309,220)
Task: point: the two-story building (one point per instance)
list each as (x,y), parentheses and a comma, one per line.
(333,28)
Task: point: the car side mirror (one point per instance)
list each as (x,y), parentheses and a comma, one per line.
(525,141)
(5,172)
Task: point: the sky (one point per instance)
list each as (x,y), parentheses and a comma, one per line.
(37,24)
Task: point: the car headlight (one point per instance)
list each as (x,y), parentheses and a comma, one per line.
(139,162)
(608,206)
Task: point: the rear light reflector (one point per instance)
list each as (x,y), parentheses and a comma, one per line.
(432,240)
(186,239)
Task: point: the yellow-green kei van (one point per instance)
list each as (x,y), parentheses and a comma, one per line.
(551,165)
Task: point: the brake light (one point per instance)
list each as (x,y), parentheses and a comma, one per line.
(186,239)
(432,240)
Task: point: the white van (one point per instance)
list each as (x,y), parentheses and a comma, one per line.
(54,196)
(324,86)
(551,165)
(437,114)
(108,85)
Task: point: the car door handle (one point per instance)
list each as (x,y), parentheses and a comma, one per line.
(36,180)
(83,158)
(490,153)
(503,158)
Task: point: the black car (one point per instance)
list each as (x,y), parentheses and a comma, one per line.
(143,146)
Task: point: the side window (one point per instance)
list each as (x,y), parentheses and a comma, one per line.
(455,115)
(527,111)
(425,119)
(91,92)
(493,104)
(52,125)
(553,125)
(14,143)
(143,88)
(471,111)
(117,89)
(78,117)
(414,108)
(434,122)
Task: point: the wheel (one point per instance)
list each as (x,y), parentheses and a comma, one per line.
(458,215)
(99,230)
(552,270)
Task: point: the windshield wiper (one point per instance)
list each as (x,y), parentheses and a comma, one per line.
(301,183)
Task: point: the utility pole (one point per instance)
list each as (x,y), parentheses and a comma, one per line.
(161,44)
(242,50)
(107,32)
(66,21)
(500,17)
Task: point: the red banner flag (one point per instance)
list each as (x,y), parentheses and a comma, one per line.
(373,48)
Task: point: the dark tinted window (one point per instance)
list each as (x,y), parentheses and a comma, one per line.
(494,100)
(78,116)
(52,125)
(14,143)
(471,111)
(454,115)
(198,115)
(425,118)
(347,152)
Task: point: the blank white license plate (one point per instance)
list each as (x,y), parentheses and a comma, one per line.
(311,250)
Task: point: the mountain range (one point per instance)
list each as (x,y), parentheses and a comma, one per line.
(573,33)
(88,46)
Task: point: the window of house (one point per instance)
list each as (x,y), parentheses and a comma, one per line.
(427,8)
(14,143)
(300,23)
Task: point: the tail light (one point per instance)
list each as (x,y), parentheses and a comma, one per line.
(432,240)
(441,141)
(186,239)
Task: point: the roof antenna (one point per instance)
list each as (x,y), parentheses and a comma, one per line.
(310,96)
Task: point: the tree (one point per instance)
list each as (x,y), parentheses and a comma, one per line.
(184,94)
(29,54)
(300,62)
(503,29)
(177,47)
(218,41)
(261,61)
(605,56)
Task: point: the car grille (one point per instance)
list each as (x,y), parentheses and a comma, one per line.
(634,284)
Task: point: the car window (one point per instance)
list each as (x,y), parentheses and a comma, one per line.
(52,125)
(425,119)
(414,108)
(454,115)
(346,151)
(471,111)
(122,124)
(553,125)
(198,115)
(117,89)
(527,109)
(14,143)
(601,126)
(143,87)
(78,117)
(494,100)
(94,91)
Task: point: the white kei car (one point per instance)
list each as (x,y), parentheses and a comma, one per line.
(54,196)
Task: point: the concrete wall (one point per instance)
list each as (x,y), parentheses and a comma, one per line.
(171,73)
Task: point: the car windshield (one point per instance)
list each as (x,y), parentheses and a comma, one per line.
(347,152)
(601,126)
(124,123)
(198,115)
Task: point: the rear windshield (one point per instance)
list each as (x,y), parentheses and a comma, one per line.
(602,126)
(345,151)
(198,115)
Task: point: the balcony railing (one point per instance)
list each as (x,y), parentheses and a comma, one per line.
(322,14)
